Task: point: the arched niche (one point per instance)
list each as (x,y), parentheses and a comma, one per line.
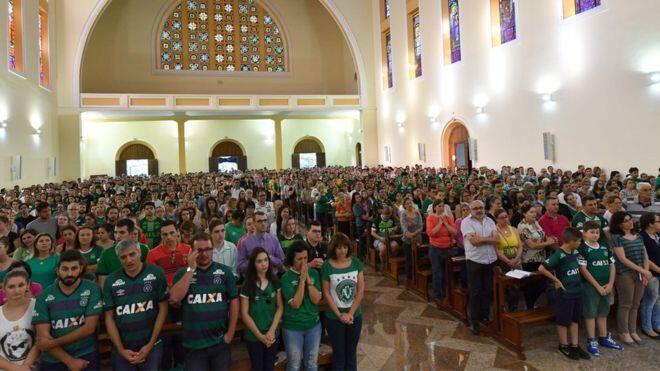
(456,145)
(304,148)
(133,155)
(227,150)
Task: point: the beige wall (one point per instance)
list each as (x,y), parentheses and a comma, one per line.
(333,133)
(25,105)
(605,111)
(119,55)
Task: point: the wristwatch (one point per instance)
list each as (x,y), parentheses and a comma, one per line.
(189,270)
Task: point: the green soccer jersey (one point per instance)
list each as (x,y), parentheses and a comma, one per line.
(92,257)
(66,313)
(343,285)
(287,242)
(307,315)
(151,229)
(43,270)
(109,261)
(580,218)
(323,204)
(233,233)
(567,269)
(262,309)
(206,305)
(597,260)
(382,226)
(134,302)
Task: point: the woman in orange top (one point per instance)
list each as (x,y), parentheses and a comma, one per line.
(441,230)
(343,213)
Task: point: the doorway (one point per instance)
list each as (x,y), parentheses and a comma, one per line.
(456,146)
(358,155)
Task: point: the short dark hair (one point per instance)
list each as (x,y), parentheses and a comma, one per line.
(646,219)
(201,236)
(107,211)
(72,256)
(20,264)
(12,274)
(339,239)
(295,248)
(590,225)
(42,206)
(571,234)
(129,224)
(214,223)
(588,198)
(237,214)
(148,203)
(313,223)
(168,223)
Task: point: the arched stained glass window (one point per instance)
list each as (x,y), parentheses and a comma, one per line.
(503,16)
(452,31)
(221,35)
(584,5)
(15,34)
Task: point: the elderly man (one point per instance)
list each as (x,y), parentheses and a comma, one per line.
(553,223)
(644,202)
(135,304)
(479,238)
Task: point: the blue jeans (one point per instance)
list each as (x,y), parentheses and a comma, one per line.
(151,363)
(344,339)
(216,357)
(302,345)
(92,358)
(262,357)
(438,259)
(650,306)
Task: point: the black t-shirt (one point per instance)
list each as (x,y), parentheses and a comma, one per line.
(318,251)
(652,249)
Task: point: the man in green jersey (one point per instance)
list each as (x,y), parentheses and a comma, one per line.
(65,316)
(588,214)
(208,296)
(109,261)
(150,224)
(135,302)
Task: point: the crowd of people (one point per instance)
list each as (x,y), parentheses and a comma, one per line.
(283,251)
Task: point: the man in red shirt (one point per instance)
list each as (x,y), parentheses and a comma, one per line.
(171,254)
(553,223)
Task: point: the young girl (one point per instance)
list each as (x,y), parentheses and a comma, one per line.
(18,352)
(91,252)
(261,310)
(45,260)
(68,234)
(343,289)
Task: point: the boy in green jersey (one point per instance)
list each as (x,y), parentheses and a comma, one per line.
(597,268)
(568,305)
(150,224)
(208,296)
(68,309)
(135,303)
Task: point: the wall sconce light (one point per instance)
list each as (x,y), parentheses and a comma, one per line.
(400,119)
(3,124)
(481,110)
(547,97)
(37,131)
(655,77)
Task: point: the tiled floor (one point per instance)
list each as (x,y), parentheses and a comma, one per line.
(402,332)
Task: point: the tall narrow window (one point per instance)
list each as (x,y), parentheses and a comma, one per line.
(503,17)
(573,7)
(15,33)
(386,45)
(389,59)
(414,39)
(452,31)
(44,51)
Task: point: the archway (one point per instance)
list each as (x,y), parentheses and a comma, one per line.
(136,158)
(227,155)
(358,155)
(456,146)
(308,152)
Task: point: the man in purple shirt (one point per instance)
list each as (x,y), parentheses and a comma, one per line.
(261,238)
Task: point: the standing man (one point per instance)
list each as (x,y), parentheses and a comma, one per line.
(553,223)
(171,254)
(260,238)
(208,297)
(65,316)
(224,252)
(479,238)
(264,206)
(317,249)
(44,223)
(588,214)
(150,224)
(109,261)
(135,302)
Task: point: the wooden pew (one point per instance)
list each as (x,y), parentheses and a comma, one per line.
(510,326)
(422,273)
(456,300)
(393,264)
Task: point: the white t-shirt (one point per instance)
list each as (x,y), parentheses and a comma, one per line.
(17,337)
